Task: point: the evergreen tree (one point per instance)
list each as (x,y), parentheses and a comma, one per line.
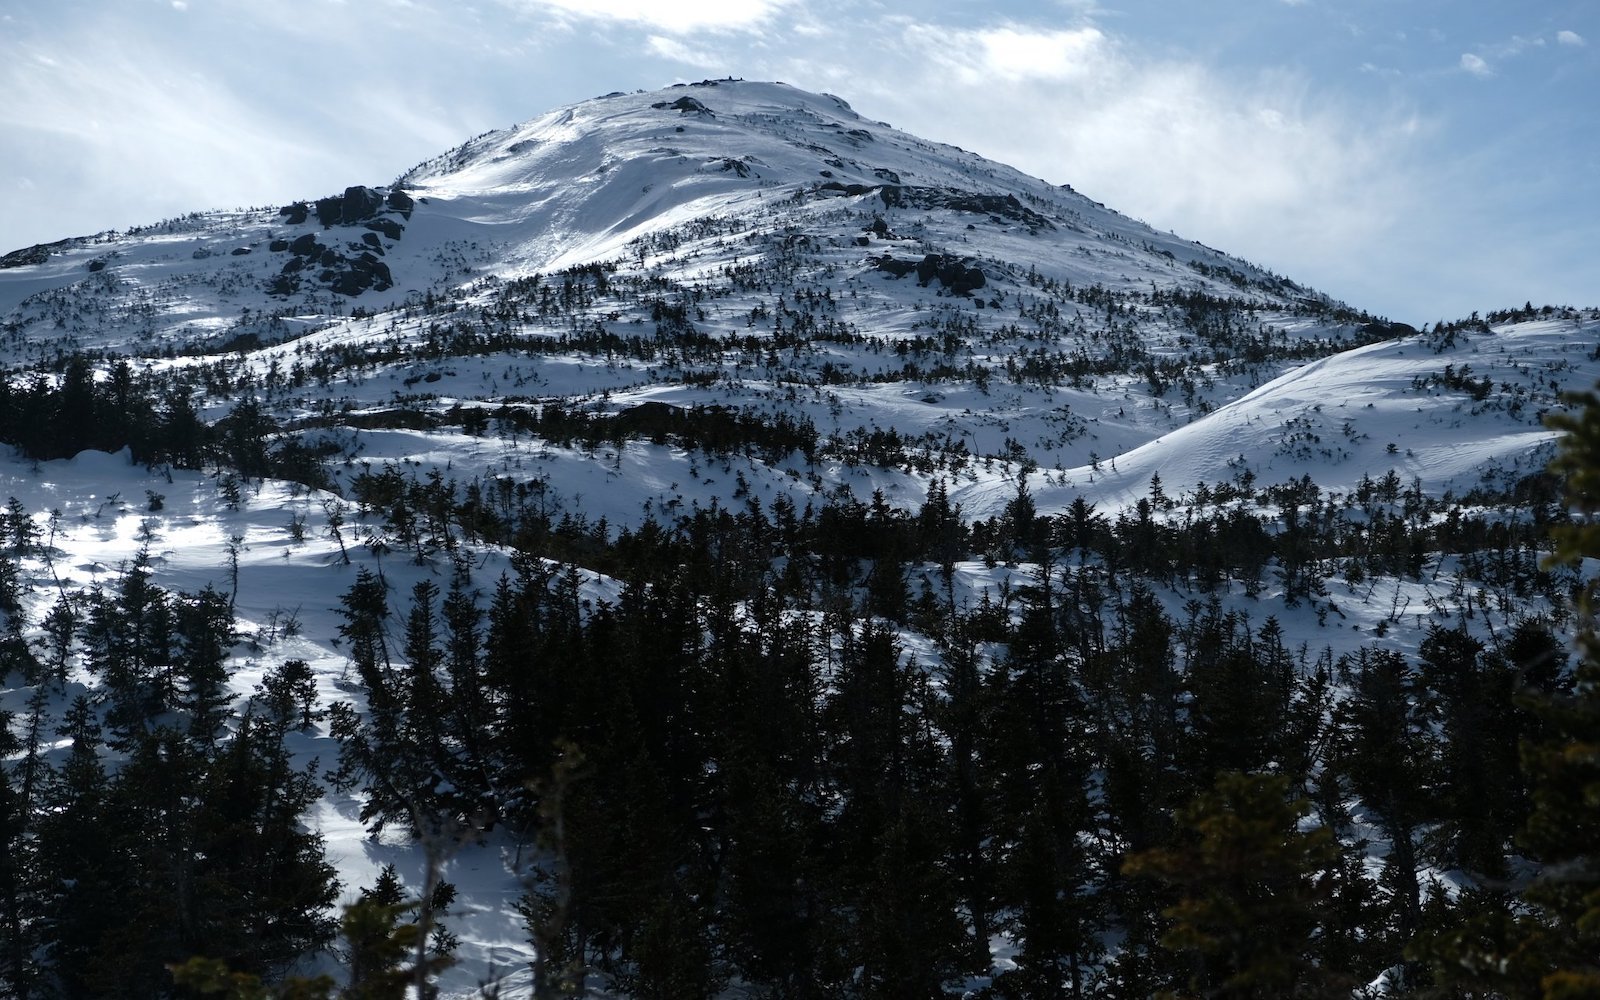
(1253,892)
(1389,757)
(18,901)
(1547,948)
(263,886)
(205,638)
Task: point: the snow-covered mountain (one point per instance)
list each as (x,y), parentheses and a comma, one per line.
(579,303)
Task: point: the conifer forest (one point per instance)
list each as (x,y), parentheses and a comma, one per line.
(909,580)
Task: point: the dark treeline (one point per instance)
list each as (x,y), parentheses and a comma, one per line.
(756,784)
(735,773)
(772,792)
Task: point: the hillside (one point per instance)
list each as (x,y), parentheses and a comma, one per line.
(666,418)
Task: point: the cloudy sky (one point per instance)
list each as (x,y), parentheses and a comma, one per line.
(1418,158)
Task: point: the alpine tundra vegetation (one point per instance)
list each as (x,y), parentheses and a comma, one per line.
(706,543)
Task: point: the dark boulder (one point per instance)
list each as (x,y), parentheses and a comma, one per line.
(898,268)
(848,190)
(97,265)
(360,274)
(1384,330)
(330,210)
(359,203)
(954,274)
(278,246)
(296,213)
(388,227)
(305,246)
(240,251)
(401,202)
(685,105)
(371,240)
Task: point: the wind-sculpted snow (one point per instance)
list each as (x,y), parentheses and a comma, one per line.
(732,296)
(1460,418)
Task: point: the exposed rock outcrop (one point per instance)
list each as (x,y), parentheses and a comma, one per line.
(960,277)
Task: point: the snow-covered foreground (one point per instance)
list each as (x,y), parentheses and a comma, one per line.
(740,296)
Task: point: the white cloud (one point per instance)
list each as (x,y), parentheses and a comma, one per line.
(678,51)
(1011,53)
(1263,166)
(1570,38)
(1475,65)
(675,17)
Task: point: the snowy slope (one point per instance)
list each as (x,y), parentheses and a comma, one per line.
(752,247)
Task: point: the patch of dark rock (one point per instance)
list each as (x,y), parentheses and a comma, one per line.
(240,251)
(879,227)
(685,105)
(96,265)
(305,246)
(278,246)
(296,213)
(999,208)
(360,203)
(330,257)
(825,173)
(860,133)
(1382,330)
(330,210)
(361,274)
(953,273)
(36,254)
(958,276)
(863,241)
(356,204)
(885,174)
(387,227)
(848,190)
(292,265)
(283,284)
(898,268)
(200,253)
(400,202)
(739,167)
(372,240)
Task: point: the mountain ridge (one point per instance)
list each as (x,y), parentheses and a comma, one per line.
(865,395)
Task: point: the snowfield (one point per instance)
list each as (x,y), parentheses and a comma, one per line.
(730,250)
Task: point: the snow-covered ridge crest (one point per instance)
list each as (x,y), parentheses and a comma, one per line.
(578,183)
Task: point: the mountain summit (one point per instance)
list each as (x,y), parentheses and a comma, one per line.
(760,249)
(855,548)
